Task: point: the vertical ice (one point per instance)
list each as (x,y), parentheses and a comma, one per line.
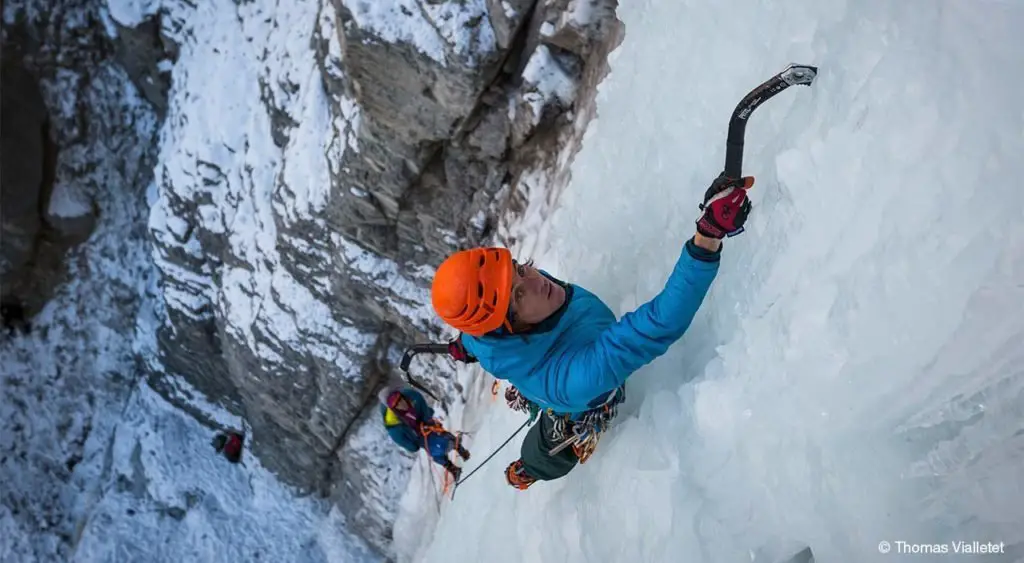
(855,374)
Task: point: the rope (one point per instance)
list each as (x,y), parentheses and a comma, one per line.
(495,452)
(426,448)
(444,489)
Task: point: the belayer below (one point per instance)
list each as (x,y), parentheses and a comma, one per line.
(410,422)
(560,346)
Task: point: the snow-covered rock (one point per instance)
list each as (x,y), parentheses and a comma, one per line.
(507,16)
(311,163)
(63,383)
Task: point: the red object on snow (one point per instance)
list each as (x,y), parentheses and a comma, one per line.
(233,447)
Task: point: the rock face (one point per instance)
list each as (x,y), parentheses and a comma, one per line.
(318,159)
(24,136)
(42,218)
(76,139)
(27,180)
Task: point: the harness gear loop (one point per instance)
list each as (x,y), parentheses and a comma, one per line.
(435,428)
(584,433)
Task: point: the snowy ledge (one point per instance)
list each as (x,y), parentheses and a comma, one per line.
(440,30)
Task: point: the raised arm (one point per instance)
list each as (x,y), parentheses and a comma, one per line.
(646,333)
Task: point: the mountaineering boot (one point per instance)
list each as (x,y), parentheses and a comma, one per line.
(517,477)
(455,470)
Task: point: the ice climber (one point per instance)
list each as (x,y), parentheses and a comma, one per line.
(229,444)
(560,347)
(410,422)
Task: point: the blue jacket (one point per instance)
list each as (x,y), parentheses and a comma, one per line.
(403,434)
(570,361)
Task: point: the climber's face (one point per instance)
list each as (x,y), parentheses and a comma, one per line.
(398,402)
(534,297)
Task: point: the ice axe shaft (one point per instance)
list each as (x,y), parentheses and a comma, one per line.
(410,353)
(792,75)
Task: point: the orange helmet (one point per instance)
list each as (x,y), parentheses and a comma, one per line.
(472,288)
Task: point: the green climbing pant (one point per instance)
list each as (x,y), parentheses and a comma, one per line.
(534,452)
(544,437)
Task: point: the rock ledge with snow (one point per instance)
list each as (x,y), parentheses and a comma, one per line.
(315,160)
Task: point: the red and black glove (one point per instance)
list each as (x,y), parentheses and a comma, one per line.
(458,352)
(725,207)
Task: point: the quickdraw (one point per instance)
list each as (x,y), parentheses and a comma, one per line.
(584,433)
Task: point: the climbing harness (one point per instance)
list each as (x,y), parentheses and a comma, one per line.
(436,428)
(584,433)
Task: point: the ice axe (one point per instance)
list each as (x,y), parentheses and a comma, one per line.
(410,353)
(792,75)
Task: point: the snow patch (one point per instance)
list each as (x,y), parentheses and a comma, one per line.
(545,82)
(510,12)
(305,171)
(168,485)
(479,220)
(352,113)
(62,385)
(109,26)
(436,29)
(67,200)
(583,12)
(410,299)
(329,30)
(216,154)
(130,13)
